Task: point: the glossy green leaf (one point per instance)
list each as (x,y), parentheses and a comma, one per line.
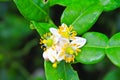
(113,75)
(30,10)
(94,50)
(42,4)
(63,71)
(68,3)
(81,17)
(60,2)
(113,50)
(110,4)
(42,28)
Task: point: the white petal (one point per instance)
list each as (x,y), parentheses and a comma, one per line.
(55,39)
(63,24)
(54,31)
(63,41)
(79,41)
(60,58)
(50,54)
(45,56)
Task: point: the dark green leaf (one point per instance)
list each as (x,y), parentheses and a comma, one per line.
(81,17)
(113,50)
(5,0)
(30,10)
(63,71)
(113,75)
(42,28)
(94,50)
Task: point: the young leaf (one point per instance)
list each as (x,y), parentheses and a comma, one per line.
(30,10)
(94,50)
(42,28)
(113,50)
(81,17)
(63,71)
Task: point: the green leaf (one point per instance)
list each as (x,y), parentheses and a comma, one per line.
(94,50)
(81,17)
(63,71)
(30,10)
(67,3)
(60,2)
(110,4)
(42,28)
(42,4)
(113,75)
(113,50)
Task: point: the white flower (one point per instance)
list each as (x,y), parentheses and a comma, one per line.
(62,44)
(70,49)
(50,54)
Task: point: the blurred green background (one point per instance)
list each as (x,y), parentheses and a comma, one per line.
(20,53)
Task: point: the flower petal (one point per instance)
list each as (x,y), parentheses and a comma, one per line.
(54,31)
(60,56)
(63,41)
(45,56)
(50,54)
(79,41)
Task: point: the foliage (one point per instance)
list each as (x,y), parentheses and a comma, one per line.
(82,15)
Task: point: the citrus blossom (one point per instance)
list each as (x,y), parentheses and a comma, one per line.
(61,44)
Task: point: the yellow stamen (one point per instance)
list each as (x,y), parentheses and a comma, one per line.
(77,50)
(70,28)
(44,49)
(64,31)
(62,54)
(69,59)
(53,47)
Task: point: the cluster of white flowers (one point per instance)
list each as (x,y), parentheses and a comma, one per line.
(61,44)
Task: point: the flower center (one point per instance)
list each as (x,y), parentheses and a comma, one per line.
(64,32)
(67,32)
(49,42)
(69,50)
